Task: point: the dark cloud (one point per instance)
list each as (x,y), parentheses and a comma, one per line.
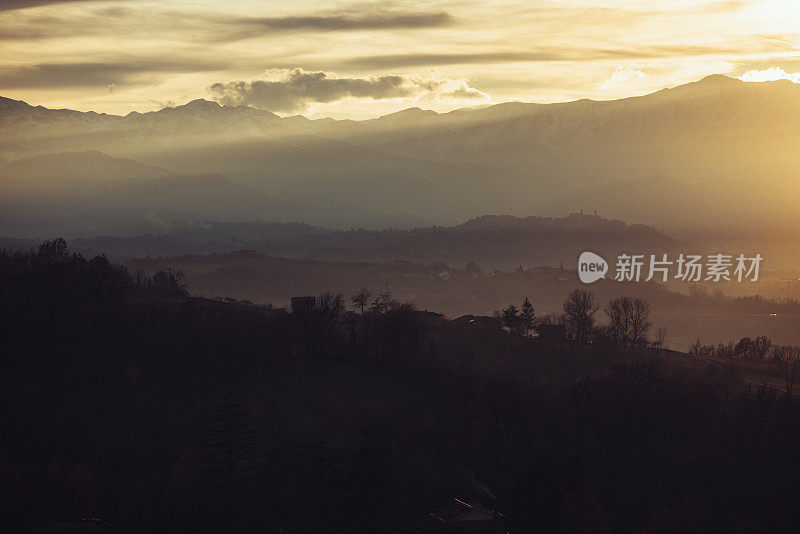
(550,54)
(336,22)
(8,5)
(92,74)
(293,90)
(432,59)
(299,88)
(216,28)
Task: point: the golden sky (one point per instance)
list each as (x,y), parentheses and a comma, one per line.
(358,60)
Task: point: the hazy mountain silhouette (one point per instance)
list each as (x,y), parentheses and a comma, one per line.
(494,242)
(722,136)
(654,199)
(90,193)
(70,172)
(498,241)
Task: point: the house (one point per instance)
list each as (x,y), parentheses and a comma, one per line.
(463,517)
(478,323)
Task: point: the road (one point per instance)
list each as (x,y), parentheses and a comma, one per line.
(722,365)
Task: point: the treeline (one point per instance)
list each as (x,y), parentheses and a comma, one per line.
(628,327)
(628,320)
(56,278)
(785,358)
(699,296)
(382,326)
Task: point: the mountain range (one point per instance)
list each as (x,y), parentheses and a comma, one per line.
(717,153)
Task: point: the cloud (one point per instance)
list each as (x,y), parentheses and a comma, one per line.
(550,54)
(107,21)
(460,90)
(292,90)
(94,74)
(769,75)
(336,22)
(433,59)
(8,5)
(623,74)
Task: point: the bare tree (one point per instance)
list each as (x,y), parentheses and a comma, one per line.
(618,311)
(640,321)
(360,299)
(318,319)
(384,302)
(788,361)
(752,348)
(661,336)
(629,320)
(580,307)
(743,348)
(761,346)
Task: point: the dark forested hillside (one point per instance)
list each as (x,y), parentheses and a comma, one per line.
(127,405)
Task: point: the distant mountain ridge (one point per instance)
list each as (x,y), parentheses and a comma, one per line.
(724,139)
(494,241)
(91,193)
(76,172)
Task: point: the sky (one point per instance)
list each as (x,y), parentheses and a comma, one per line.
(357,60)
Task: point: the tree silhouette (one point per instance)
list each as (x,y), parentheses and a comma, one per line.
(319,323)
(54,248)
(788,360)
(580,307)
(360,299)
(383,303)
(629,320)
(510,317)
(761,347)
(640,321)
(661,336)
(527,316)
